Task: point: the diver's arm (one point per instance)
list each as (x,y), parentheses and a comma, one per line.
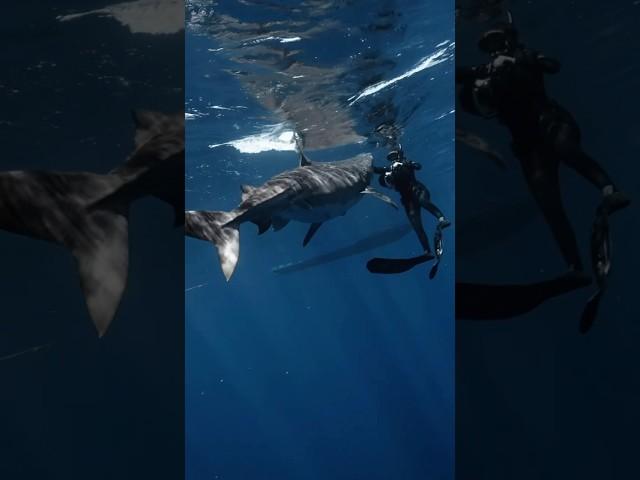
(381,172)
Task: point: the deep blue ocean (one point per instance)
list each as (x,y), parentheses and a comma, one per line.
(327,371)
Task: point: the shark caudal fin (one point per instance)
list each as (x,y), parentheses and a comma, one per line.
(101,250)
(67,208)
(216,227)
(88,213)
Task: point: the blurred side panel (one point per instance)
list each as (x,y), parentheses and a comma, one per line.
(91,179)
(547,210)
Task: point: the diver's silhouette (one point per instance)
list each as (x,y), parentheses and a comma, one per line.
(400,175)
(511,88)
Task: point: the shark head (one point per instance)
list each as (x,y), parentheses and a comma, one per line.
(362,166)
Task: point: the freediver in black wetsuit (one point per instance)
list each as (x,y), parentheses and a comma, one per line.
(511,88)
(400,175)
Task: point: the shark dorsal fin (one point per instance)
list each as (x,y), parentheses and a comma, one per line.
(304,161)
(246,191)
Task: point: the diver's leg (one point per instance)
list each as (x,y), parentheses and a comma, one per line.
(424,198)
(542,178)
(567,144)
(415,218)
(587,167)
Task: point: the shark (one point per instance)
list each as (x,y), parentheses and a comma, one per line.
(88,213)
(313,193)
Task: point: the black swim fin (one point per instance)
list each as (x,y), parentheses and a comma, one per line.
(590,311)
(601,261)
(396,265)
(496,302)
(439,249)
(434,269)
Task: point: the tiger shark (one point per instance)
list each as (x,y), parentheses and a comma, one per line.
(311,193)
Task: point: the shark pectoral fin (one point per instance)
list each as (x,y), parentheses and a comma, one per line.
(103,263)
(380,196)
(278,223)
(263,225)
(310,233)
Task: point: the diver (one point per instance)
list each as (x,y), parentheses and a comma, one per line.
(511,88)
(400,176)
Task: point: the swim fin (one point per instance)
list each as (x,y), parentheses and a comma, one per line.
(439,249)
(396,265)
(601,261)
(590,311)
(434,269)
(498,302)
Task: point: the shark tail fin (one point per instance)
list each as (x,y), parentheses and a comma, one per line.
(102,257)
(218,228)
(96,233)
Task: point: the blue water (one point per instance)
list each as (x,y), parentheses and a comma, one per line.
(328,372)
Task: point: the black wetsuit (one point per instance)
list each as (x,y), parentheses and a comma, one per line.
(511,88)
(400,175)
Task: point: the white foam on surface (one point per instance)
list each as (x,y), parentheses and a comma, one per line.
(436,58)
(256,41)
(274,137)
(289,40)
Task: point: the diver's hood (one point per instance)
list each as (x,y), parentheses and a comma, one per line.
(497,38)
(395,155)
